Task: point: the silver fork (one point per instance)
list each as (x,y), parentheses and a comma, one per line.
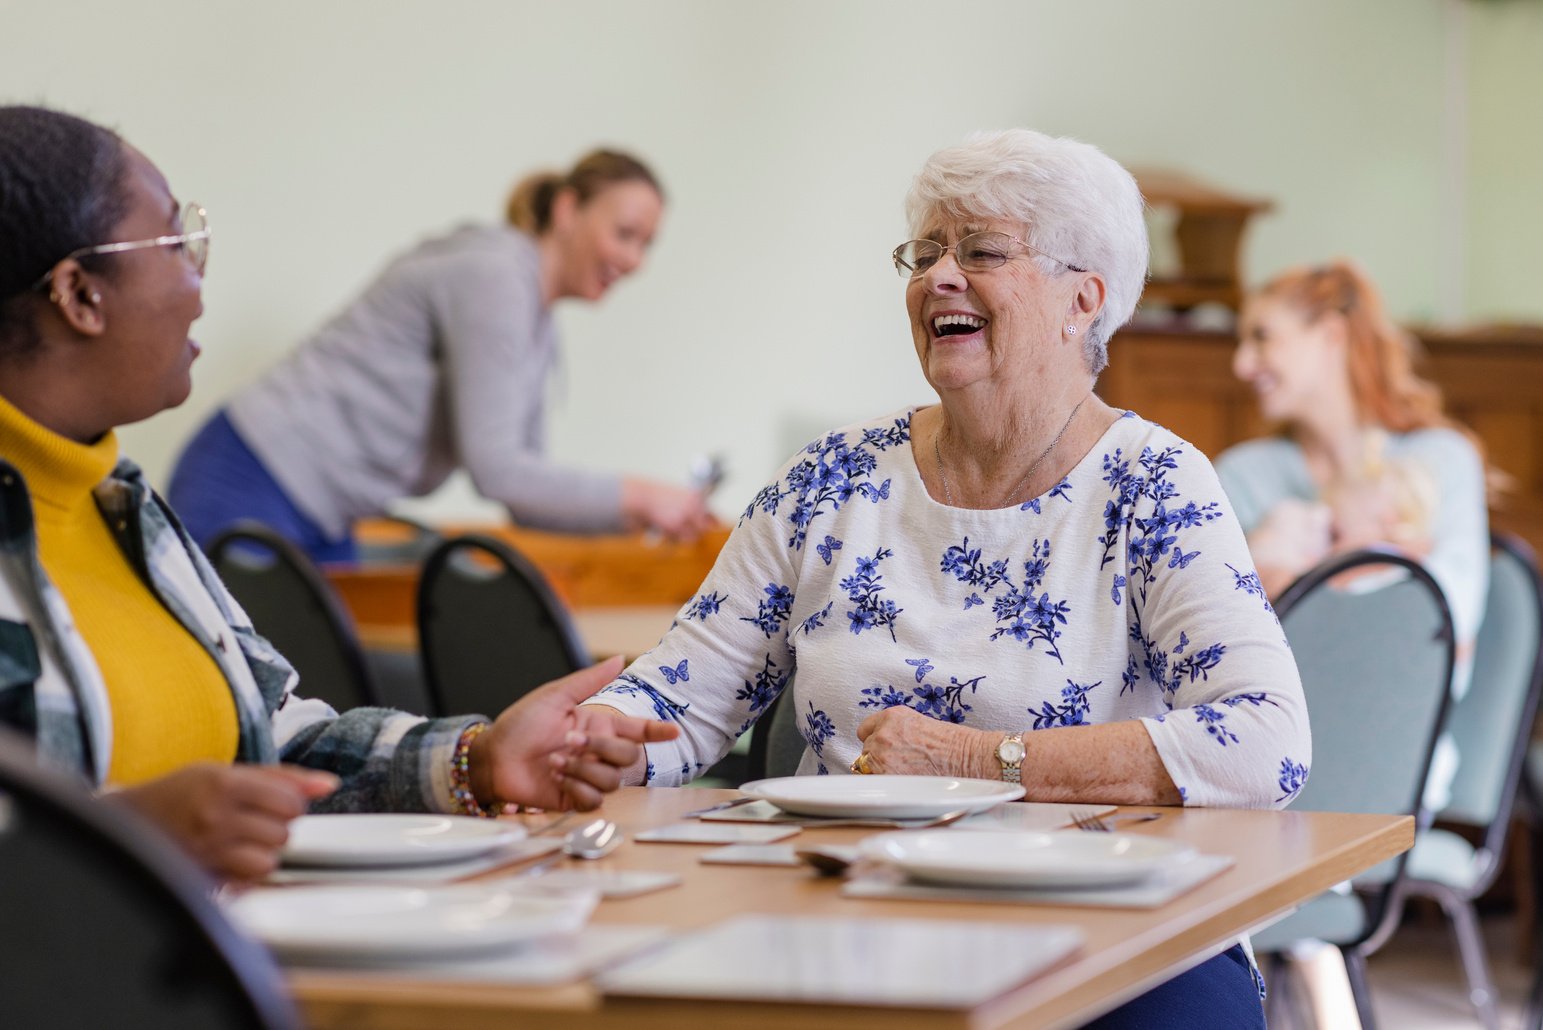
(1086,819)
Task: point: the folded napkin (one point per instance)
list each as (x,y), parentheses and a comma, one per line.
(1154,891)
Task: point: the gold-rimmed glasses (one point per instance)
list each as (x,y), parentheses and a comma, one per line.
(977,252)
(193,240)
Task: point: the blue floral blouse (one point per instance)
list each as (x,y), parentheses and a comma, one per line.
(1125,592)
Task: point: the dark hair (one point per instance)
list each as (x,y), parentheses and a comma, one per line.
(530,203)
(61,188)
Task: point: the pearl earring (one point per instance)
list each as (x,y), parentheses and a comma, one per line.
(96,298)
(1071,330)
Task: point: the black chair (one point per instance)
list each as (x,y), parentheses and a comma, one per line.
(1376,656)
(490,629)
(291,604)
(410,543)
(108,924)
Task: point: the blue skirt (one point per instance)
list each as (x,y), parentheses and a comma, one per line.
(218,482)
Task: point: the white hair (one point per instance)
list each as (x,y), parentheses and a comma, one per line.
(1079,205)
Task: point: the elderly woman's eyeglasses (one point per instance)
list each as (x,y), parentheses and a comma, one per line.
(977,252)
(193,241)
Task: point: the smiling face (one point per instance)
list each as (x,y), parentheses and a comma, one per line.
(1002,325)
(1289,361)
(604,238)
(150,299)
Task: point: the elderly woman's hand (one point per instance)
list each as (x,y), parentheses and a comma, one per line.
(899,740)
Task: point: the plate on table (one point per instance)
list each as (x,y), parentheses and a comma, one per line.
(393,839)
(359,923)
(1054,858)
(885,797)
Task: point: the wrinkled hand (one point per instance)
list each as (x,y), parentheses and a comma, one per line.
(899,740)
(677,512)
(546,751)
(232,819)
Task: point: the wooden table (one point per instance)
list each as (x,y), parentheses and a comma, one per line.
(1283,858)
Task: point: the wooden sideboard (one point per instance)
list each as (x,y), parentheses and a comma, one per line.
(1492,380)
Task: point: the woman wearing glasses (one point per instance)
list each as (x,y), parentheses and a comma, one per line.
(121,655)
(1017,582)
(441,363)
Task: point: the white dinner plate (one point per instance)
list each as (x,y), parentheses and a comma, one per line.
(1054,858)
(883,797)
(365,923)
(395,839)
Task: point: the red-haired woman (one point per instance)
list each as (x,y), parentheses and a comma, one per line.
(1366,457)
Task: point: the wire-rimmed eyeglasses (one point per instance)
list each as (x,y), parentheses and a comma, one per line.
(977,252)
(193,239)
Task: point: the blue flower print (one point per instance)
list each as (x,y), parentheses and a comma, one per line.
(818,728)
(964,564)
(677,674)
(1215,724)
(816,620)
(1026,615)
(972,601)
(1293,777)
(707,604)
(864,587)
(648,774)
(1152,538)
(1114,591)
(773,611)
(1248,582)
(1060,490)
(944,703)
(1255,698)
(830,475)
(762,690)
(828,549)
(1072,710)
(923,666)
(629,685)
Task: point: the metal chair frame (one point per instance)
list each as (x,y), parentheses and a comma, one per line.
(338,623)
(510,562)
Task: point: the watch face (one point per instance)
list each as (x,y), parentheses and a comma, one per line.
(1010,751)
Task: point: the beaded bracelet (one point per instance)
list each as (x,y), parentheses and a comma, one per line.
(461,796)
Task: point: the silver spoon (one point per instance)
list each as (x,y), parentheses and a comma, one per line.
(595,839)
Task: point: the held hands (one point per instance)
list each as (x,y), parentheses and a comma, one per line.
(677,512)
(547,752)
(899,740)
(232,819)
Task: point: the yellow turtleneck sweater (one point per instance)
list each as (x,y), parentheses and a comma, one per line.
(170,702)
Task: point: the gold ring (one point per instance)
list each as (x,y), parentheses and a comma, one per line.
(861,765)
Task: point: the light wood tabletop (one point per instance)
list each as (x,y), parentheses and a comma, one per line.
(1281,859)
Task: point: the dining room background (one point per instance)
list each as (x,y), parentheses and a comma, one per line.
(325,137)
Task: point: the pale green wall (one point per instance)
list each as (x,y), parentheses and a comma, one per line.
(325,134)
(1505,196)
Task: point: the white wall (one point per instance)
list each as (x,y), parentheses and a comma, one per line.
(324,135)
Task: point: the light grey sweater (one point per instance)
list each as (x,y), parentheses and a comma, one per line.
(442,362)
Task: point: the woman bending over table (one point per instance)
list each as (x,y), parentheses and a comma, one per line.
(121,655)
(1017,582)
(442,363)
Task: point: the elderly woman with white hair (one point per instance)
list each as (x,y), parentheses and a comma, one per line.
(1018,582)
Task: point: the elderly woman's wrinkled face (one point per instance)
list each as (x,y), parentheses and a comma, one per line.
(1288,360)
(1002,325)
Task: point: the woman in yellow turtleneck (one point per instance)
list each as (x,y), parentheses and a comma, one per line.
(120,652)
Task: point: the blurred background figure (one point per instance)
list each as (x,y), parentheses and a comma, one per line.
(1366,457)
(442,362)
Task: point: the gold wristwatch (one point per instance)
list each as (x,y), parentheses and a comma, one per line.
(1010,753)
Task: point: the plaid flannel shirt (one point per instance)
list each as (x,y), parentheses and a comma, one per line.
(51,688)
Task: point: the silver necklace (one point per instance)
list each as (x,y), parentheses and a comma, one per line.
(948,495)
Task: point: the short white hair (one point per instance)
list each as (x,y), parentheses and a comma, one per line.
(1079,205)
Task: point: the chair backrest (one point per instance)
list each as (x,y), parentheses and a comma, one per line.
(1492,723)
(490,629)
(1372,637)
(108,924)
(291,604)
(776,745)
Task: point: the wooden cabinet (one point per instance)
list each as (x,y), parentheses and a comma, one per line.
(1492,380)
